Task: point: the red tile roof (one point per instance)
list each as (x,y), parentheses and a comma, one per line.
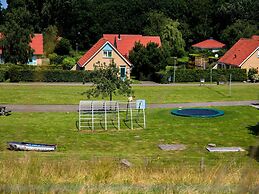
(255,37)
(209,44)
(239,52)
(36,44)
(94,50)
(127,41)
(91,52)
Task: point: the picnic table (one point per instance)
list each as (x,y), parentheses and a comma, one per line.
(3,111)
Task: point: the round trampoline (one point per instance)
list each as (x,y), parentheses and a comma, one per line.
(198,112)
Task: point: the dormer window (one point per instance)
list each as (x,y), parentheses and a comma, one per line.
(107,54)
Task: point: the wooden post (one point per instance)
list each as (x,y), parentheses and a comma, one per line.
(202,164)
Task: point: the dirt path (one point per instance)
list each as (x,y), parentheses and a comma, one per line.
(74,108)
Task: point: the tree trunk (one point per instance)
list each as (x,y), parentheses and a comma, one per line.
(110,96)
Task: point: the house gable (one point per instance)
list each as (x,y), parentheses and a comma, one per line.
(126,42)
(97,54)
(239,52)
(252,61)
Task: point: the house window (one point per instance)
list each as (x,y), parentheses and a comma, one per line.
(32,61)
(107,54)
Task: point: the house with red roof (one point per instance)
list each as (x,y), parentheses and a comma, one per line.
(113,48)
(209,44)
(37,45)
(243,54)
(202,61)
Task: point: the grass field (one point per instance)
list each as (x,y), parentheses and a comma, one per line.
(36,94)
(88,161)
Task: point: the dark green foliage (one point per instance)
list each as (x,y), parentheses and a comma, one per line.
(251,74)
(63,47)
(194,75)
(84,21)
(146,60)
(107,83)
(48,76)
(3,75)
(237,30)
(17,33)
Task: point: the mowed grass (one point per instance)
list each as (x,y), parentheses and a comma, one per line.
(88,162)
(232,129)
(39,94)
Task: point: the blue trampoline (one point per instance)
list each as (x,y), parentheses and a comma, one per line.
(198,112)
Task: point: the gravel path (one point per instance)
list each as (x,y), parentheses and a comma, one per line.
(74,108)
(142,83)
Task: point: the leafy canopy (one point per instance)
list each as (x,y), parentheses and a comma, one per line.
(17,34)
(106,82)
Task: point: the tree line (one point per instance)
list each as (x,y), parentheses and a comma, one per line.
(84,21)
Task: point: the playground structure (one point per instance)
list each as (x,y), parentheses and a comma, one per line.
(198,112)
(106,115)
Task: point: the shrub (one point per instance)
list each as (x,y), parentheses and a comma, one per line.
(251,74)
(49,76)
(63,47)
(3,75)
(194,75)
(68,63)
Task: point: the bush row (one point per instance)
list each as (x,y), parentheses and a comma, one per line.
(194,75)
(48,76)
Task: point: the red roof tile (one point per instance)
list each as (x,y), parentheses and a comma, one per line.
(127,41)
(239,52)
(90,53)
(255,37)
(209,44)
(94,50)
(36,44)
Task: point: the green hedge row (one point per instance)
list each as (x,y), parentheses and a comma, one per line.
(194,75)
(3,75)
(48,76)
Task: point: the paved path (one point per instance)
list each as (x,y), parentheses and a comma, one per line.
(74,108)
(142,83)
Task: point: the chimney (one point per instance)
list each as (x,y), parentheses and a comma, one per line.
(119,37)
(115,42)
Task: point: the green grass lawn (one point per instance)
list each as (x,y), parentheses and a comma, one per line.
(36,94)
(87,162)
(162,128)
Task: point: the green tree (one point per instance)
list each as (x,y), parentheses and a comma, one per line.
(17,34)
(50,39)
(172,38)
(239,29)
(169,31)
(107,83)
(146,60)
(63,47)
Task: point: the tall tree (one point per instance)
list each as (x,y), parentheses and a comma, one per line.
(106,82)
(147,60)
(169,31)
(239,29)
(17,34)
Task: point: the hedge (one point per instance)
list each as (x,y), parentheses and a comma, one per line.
(3,75)
(194,75)
(49,76)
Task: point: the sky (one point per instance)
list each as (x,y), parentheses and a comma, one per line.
(3,2)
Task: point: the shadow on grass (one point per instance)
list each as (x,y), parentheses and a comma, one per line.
(254,129)
(253,151)
(218,92)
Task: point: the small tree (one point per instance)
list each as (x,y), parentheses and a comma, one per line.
(106,82)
